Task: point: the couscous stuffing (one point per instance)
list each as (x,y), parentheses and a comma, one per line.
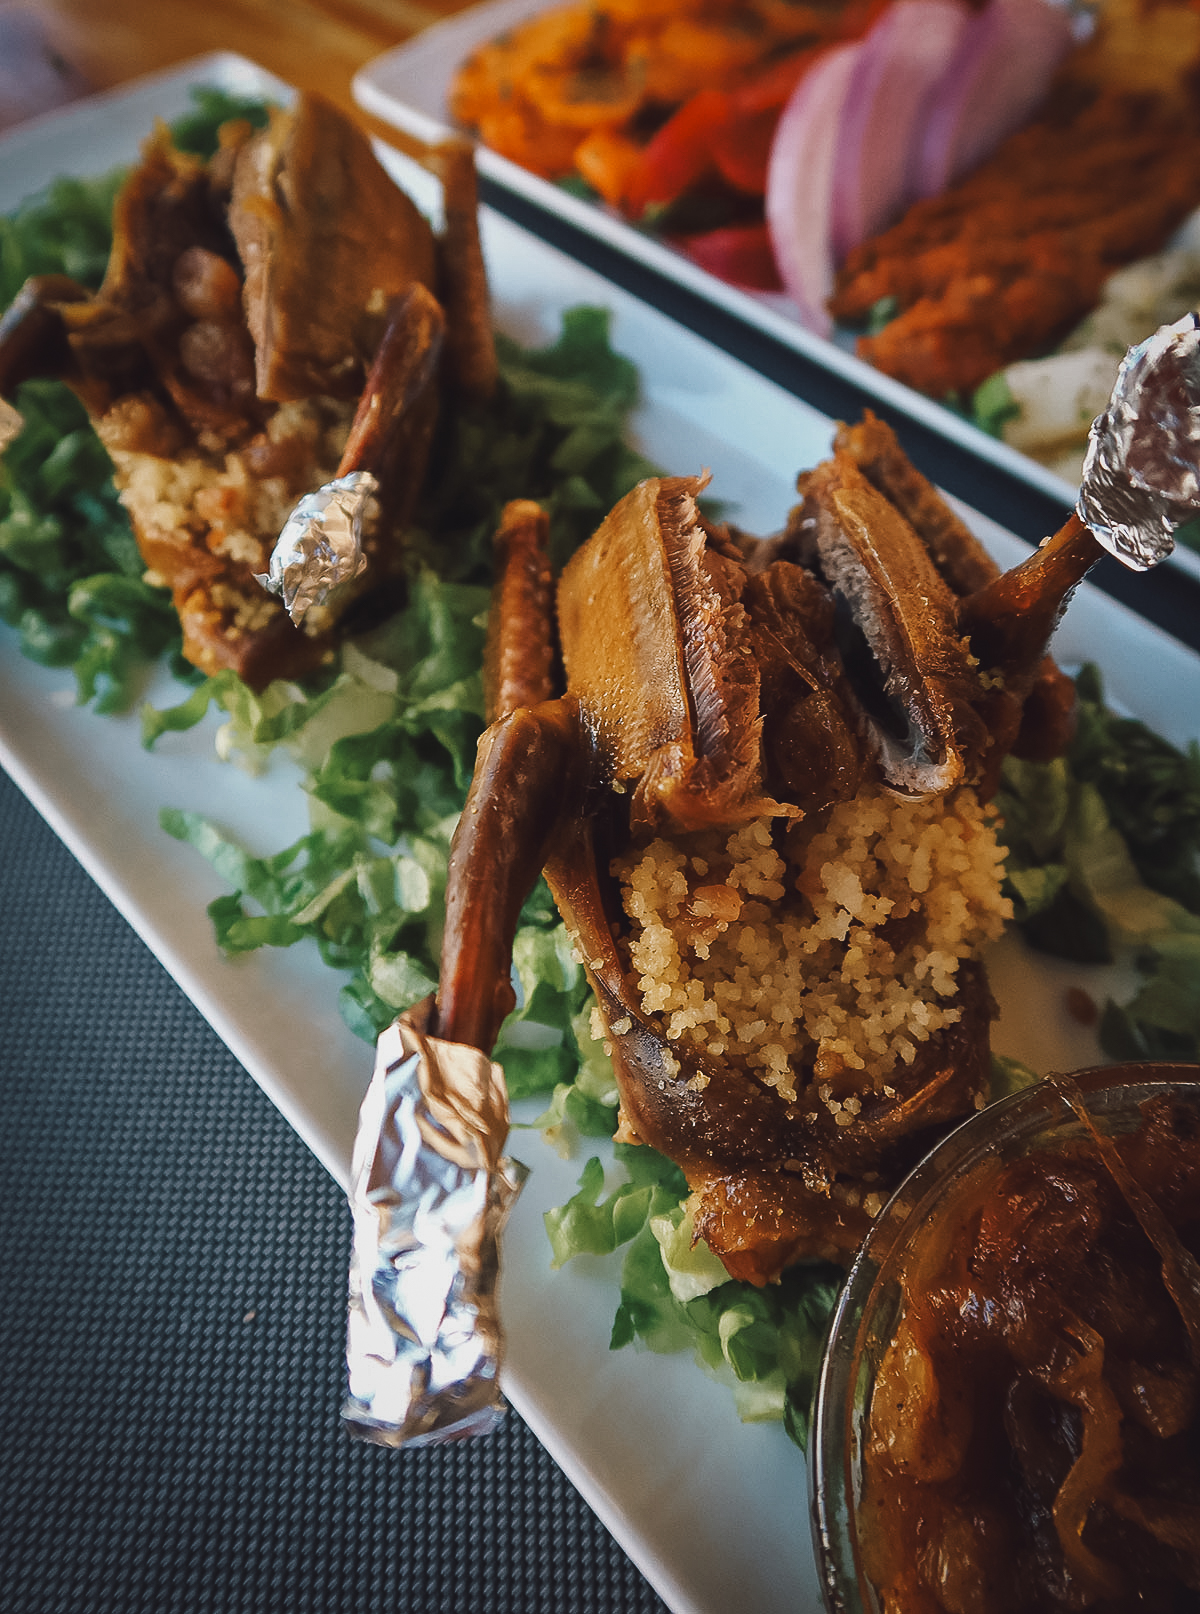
(207,517)
(799,954)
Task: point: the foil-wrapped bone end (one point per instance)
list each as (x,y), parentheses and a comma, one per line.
(430,1194)
(1141,476)
(321,544)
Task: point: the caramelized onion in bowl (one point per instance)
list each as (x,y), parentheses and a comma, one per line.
(1007,1412)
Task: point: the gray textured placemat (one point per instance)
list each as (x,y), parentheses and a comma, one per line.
(172,1279)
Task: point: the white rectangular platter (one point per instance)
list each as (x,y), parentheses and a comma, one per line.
(713,1511)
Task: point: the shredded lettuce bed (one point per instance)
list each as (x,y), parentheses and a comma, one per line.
(70,573)
(1103,863)
(1102,843)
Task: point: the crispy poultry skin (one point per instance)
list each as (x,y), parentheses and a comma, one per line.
(1004,263)
(1031,715)
(716,691)
(269,320)
(311,208)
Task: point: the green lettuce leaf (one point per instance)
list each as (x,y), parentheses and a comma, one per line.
(676,1296)
(70,574)
(1104,862)
(993,405)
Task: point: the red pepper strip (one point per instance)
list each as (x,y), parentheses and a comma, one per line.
(608,160)
(858,19)
(738,253)
(773,85)
(742,149)
(680,152)
(772,88)
(684,148)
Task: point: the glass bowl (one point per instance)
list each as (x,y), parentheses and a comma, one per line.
(928,1206)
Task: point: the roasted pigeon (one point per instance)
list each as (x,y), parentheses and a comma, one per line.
(756,774)
(271,319)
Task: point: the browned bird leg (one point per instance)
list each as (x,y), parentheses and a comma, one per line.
(394,420)
(322,545)
(1011,620)
(1030,707)
(527,781)
(519,663)
(463,284)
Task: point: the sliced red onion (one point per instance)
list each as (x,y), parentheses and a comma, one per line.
(1006,59)
(903,59)
(800,184)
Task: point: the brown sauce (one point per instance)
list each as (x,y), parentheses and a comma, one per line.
(1033,1433)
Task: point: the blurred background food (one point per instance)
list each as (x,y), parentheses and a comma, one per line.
(34,76)
(666,111)
(954,189)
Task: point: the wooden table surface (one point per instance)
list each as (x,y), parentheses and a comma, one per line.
(313,44)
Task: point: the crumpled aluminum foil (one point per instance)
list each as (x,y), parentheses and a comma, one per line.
(321,544)
(430,1194)
(1141,477)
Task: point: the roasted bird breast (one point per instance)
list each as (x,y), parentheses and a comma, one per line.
(758,789)
(269,319)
